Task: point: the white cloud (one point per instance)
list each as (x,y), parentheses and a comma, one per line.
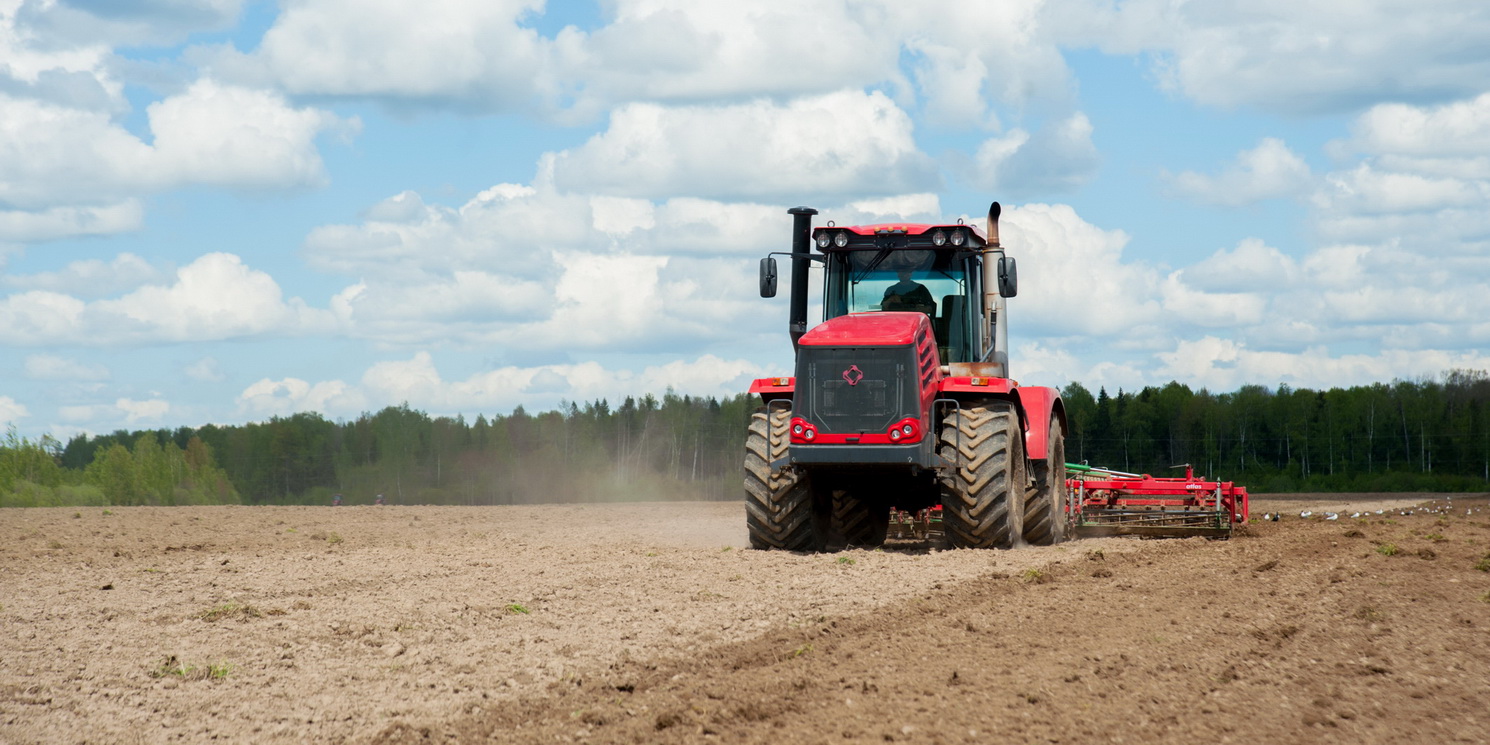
(153,22)
(417,381)
(531,268)
(844,143)
(121,413)
(1252,264)
(12,411)
(1294,57)
(1366,190)
(89,277)
(463,52)
(153,410)
(66,222)
(1460,128)
(231,136)
(214,297)
(68,171)
(206,369)
(52,367)
(1268,171)
(1058,158)
(1073,278)
(268,398)
(1224,365)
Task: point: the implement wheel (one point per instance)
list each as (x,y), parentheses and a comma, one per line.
(1045,519)
(983,494)
(778,504)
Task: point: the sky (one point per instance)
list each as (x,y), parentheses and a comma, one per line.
(222,211)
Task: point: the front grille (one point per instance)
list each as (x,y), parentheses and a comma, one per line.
(850,390)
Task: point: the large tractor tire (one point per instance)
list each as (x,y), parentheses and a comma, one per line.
(778,504)
(983,493)
(1045,519)
(863,522)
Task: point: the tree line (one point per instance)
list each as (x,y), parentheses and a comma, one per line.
(1424,435)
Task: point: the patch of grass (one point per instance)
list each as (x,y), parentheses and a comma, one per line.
(804,649)
(1387,549)
(727,549)
(845,561)
(173,667)
(1436,537)
(54,543)
(1096,555)
(1485,598)
(77,516)
(150,570)
(1483,564)
(291,530)
(1033,576)
(108,512)
(229,610)
(333,539)
(517,608)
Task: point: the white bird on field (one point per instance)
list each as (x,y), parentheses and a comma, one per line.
(1331,516)
(1306,513)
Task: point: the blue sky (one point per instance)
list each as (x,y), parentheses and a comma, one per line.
(223,210)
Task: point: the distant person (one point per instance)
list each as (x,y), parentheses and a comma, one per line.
(908,294)
(379,500)
(336,500)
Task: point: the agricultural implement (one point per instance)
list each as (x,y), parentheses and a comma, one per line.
(1101,501)
(1106,502)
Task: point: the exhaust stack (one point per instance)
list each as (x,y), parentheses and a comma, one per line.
(995,333)
(796,320)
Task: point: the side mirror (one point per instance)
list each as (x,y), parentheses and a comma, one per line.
(768,277)
(1008,277)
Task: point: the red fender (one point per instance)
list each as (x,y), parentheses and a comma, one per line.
(1038,403)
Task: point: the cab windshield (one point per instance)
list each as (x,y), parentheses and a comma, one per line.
(919,280)
(904,280)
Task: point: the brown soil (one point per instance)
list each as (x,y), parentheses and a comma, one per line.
(651,623)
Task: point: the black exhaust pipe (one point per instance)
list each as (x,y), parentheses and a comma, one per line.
(801,246)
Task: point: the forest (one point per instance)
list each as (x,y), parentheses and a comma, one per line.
(1423,435)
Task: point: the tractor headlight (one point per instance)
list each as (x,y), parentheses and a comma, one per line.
(959,237)
(823,239)
(939,238)
(841,239)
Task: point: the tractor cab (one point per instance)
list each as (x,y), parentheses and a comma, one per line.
(937,270)
(882,268)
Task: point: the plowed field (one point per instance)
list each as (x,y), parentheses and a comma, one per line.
(652,623)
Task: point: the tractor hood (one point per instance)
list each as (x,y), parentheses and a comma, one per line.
(869,329)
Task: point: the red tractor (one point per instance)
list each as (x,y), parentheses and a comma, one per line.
(902,397)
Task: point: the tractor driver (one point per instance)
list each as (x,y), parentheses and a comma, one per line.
(908,294)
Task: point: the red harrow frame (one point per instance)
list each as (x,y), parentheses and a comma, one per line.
(1102,501)
(1107,502)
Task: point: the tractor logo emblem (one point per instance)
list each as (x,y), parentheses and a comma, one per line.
(853,375)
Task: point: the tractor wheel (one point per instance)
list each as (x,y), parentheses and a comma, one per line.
(983,493)
(1045,519)
(778,504)
(863,522)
